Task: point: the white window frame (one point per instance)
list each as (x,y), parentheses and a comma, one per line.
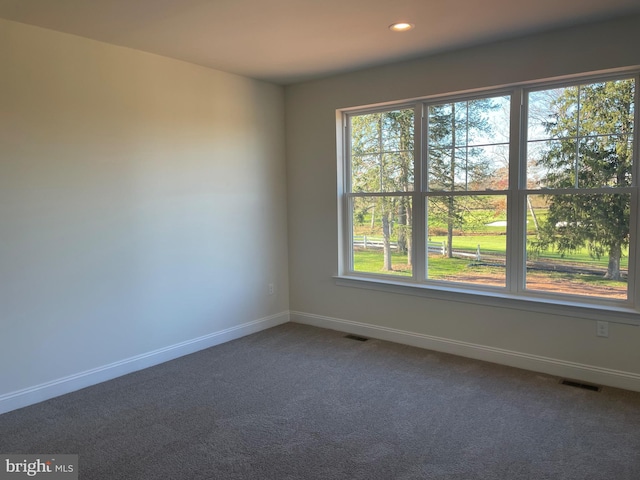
(513,295)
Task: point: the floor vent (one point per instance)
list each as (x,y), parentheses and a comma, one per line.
(356,337)
(585,386)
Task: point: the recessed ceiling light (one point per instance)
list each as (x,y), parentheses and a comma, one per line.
(400,27)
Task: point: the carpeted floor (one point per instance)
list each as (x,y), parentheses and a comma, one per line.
(298,402)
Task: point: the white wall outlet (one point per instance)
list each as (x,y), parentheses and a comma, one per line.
(602,329)
(271,288)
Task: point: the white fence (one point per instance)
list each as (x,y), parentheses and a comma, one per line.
(370,242)
(375,242)
(437,247)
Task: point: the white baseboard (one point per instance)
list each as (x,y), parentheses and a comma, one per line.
(71,383)
(536,363)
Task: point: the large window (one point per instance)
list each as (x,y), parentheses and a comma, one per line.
(528,192)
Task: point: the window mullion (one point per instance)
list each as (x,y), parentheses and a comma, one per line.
(345,240)
(516,217)
(634,262)
(419,227)
(634,224)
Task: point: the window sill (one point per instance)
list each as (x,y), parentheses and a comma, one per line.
(614,314)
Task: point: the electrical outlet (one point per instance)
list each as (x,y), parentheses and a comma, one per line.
(271,289)
(602,329)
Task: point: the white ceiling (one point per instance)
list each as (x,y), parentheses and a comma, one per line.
(287,41)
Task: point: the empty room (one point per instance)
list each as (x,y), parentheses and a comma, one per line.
(298,239)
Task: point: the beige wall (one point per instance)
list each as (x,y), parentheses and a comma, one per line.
(499,334)
(142,204)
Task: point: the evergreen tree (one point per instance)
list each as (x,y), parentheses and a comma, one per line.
(591,129)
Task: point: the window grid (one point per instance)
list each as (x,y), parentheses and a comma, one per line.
(516,193)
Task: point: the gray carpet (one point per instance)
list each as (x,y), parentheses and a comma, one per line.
(297,402)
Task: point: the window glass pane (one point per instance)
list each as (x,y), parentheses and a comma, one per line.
(397,130)
(467,239)
(382,151)
(581,136)
(397,171)
(552,164)
(577,244)
(365,172)
(488,120)
(382,234)
(553,114)
(468,145)
(605,161)
(441,125)
(607,107)
(365,134)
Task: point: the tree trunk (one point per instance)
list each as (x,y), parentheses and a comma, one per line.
(450,214)
(402,233)
(386,233)
(373,218)
(613,268)
(533,215)
(450,202)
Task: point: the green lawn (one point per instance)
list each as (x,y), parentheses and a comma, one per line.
(467,271)
(371,261)
(492,241)
(494,244)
